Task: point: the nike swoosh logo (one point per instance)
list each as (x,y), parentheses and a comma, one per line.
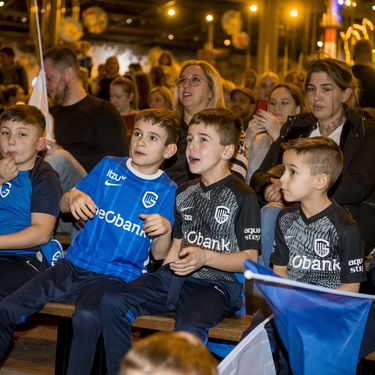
(185,208)
(109,183)
(219,290)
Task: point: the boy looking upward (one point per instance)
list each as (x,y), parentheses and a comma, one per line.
(317,242)
(127,204)
(29,197)
(216,229)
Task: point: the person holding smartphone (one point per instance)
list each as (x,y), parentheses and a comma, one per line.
(264,128)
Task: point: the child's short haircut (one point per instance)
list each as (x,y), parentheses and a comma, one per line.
(169,353)
(164,118)
(322,154)
(226,123)
(24,113)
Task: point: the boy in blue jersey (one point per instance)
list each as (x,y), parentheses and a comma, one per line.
(127,204)
(216,229)
(29,197)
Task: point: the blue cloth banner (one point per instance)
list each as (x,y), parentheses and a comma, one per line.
(321,331)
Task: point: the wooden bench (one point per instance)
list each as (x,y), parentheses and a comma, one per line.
(230,328)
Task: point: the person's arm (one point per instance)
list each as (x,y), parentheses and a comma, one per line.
(357,181)
(79,204)
(349,287)
(160,230)
(38,233)
(173,251)
(281,271)
(193,258)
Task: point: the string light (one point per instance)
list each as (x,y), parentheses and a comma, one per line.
(209,18)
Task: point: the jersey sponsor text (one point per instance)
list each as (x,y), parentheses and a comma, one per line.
(196,238)
(304,263)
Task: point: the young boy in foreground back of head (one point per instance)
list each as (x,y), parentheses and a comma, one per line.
(169,353)
(29,197)
(127,204)
(317,242)
(216,229)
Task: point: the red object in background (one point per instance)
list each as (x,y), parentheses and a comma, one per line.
(261,104)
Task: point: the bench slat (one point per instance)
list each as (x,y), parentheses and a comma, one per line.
(230,328)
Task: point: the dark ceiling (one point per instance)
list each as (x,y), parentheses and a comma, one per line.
(146,23)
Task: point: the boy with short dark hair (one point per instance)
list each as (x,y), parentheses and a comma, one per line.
(317,242)
(127,204)
(216,229)
(29,198)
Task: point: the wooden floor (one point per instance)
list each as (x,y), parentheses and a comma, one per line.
(34,348)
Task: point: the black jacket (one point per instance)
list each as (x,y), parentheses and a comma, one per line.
(355,189)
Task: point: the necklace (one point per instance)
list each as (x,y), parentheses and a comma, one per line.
(328,129)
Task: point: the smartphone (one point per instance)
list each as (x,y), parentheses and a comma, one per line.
(261,104)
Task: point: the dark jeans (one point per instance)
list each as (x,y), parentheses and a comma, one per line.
(198,304)
(64,282)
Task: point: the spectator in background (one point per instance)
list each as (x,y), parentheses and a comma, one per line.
(242,103)
(123,95)
(228,87)
(169,66)
(295,77)
(364,70)
(87,127)
(285,100)
(157,76)
(14,94)
(265,85)
(135,68)
(161,97)
(11,72)
(94,81)
(250,79)
(143,88)
(112,67)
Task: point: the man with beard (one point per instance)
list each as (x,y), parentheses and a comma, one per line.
(87,127)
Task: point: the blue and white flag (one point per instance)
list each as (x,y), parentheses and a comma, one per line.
(321,328)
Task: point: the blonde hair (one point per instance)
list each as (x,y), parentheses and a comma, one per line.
(214,84)
(166,93)
(177,353)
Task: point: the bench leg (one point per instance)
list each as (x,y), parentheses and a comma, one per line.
(64,341)
(63,344)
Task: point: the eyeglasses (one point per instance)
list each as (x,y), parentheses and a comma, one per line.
(194,81)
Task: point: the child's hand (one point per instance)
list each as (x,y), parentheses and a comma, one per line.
(8,169)
(191,258)
(81,205)
(155,225)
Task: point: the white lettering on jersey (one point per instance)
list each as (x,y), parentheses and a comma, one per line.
(149,199)
(252,234)
(5,189)
(355,265)
(195,238)
(114,179)
(321,247)
(118,221)
(222,214)
(304,263)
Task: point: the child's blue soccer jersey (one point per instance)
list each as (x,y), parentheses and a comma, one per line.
(34,191)
(113,242)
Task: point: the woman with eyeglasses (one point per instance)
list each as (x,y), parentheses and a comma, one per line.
(199,87)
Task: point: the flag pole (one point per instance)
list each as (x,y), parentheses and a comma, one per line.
(43,75)
(280,280)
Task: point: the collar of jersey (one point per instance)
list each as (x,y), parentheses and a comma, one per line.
(141,175)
